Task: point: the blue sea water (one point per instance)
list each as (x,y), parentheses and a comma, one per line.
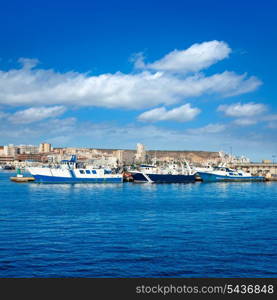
(138,230)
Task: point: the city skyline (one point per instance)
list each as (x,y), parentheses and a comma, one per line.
(165,75)
(13,152)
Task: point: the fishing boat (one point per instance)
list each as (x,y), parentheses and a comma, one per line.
(169,174)
(227,174)
(69,171)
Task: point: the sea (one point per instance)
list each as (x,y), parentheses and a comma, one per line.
(194,230)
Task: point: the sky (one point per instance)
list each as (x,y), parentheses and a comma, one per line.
(173,75)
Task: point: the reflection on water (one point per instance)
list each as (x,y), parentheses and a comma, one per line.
(71,187)
(154,187)
(146,186)
(225,189)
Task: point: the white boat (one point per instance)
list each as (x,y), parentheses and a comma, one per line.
(69,172)
(227,174)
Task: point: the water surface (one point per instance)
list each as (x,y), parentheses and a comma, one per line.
(138,230)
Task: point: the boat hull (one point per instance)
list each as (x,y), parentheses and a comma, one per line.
(209,177)
(56,179)
(162,178)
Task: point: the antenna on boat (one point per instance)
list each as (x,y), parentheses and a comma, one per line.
(73,158)
(188,167)
(155,159)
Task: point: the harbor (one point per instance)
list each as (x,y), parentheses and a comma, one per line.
(86,212)
(45,164)
(71,171)
(138,141)
(112,211)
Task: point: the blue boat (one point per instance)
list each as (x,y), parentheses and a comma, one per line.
(153,174)
(227,174)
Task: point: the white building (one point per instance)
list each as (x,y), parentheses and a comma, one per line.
(45,148)
(124,156)
(105,161)
(141,153)
(10,150)
(27,149)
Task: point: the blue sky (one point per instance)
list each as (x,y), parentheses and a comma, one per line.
(185,75)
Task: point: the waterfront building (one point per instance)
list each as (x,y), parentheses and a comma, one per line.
(141,153)
(105,161)
(119,155)
(10,150)
(45,148)
(266,161)
(55,158)
(27,149)
(71,151)
(124,156)
(37,157)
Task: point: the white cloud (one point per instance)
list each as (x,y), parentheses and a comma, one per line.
(35,114)
(193,59)
(245,121)
(138,60)
(247,114)
(210,128)
(243,110)
(28,63)
(35,86)
(183,113)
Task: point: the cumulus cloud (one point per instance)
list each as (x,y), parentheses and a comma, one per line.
(193,59)
(243,110)
(138,60)
(270,119)
(38,86)
(35,114)
(210,128)
(183,113)
(245,121)
(35,86)
(28,63)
